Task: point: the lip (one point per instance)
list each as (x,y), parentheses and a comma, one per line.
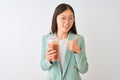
(66,27)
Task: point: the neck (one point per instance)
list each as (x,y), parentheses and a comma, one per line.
(62,35)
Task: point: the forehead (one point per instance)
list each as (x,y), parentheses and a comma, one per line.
(67,12)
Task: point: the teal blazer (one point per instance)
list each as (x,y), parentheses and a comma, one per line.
(73,63)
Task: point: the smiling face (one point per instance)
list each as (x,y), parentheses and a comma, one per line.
(65,21)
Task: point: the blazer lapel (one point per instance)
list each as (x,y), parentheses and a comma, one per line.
(59,68)
(67,55)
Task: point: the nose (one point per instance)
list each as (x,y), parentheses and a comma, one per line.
(67,21)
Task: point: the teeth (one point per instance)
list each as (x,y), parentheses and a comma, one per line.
(66,27)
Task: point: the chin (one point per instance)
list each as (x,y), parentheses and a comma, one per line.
(65,31)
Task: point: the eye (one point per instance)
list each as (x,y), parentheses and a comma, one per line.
(63,18)
(71,18)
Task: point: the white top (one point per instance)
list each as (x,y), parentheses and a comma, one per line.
(62,50)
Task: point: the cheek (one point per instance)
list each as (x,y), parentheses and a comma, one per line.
(71,25)
(59,25)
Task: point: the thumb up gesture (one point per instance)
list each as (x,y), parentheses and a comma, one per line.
(73,45)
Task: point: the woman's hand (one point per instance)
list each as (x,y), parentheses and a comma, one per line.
(51,54)
(73,45)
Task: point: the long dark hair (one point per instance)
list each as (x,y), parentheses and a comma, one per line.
(59,9)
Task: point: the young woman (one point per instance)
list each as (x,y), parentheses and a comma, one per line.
(71,54)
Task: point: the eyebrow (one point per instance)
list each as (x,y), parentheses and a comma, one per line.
(65,15)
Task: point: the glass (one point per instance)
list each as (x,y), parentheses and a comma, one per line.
(54,44)
(67,19)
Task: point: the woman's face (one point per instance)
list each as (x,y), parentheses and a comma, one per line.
(65,21)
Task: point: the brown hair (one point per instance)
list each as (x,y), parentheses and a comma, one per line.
(59,9)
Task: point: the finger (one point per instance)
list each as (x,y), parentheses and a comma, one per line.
(70,42)
(70,48)
(55,57)
(50,49)
(49,58)
(76,38)
(51,52)
(52,57)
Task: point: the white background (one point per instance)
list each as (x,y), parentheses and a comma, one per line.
(23,22)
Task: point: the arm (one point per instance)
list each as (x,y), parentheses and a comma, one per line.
(81,58)
(45,64)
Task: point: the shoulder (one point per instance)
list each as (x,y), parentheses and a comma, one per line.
(45,35)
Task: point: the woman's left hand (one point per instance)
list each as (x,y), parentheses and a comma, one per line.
(73,45)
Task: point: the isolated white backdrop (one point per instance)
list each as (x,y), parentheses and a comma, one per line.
(23,22)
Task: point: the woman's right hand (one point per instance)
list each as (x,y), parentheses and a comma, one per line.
(51,54)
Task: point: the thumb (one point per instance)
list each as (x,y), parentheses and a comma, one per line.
(76,38)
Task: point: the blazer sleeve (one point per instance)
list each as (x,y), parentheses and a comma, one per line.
(45,64)
(81,58)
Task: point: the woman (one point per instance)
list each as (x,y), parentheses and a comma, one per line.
(72,57)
